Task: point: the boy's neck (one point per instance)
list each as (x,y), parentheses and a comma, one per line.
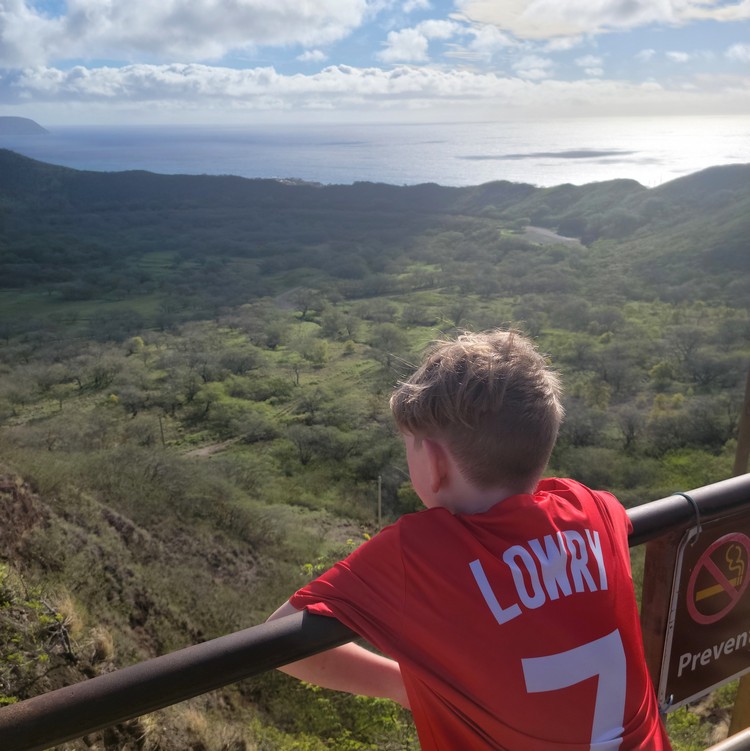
(461,496)
(477,501)
(441,483)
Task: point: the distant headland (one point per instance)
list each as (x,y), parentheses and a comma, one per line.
(20,126)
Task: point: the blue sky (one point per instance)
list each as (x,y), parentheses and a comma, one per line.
(204,61)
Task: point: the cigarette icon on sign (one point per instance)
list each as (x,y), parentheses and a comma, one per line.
(736,565)
(719,573)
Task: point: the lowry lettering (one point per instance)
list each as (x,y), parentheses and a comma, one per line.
(546,569)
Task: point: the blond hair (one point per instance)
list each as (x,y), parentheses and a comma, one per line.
(491,398)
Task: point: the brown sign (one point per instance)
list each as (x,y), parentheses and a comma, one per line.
(707,640)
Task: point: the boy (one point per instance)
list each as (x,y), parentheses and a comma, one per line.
(507,605)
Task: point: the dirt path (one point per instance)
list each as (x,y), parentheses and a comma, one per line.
(211,448)
(544,236)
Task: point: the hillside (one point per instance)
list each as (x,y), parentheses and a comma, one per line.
(72,235)
(194,380)
(20,126)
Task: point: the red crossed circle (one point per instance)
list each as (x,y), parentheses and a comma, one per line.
(733,593)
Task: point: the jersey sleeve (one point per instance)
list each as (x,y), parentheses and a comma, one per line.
(365,591)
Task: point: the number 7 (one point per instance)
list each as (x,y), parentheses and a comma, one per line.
(604,658)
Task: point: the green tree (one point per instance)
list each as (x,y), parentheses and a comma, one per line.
(391,344)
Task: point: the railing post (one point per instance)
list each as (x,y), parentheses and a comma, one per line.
(741,709)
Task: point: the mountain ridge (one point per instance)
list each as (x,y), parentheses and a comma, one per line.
(19,172)
(61,224)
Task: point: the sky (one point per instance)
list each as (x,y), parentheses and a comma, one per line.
(240,61)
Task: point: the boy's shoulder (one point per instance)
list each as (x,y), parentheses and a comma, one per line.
(599,507)
(565,484)
(551,497)
(568,488)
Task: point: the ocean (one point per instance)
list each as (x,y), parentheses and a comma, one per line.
(649,150)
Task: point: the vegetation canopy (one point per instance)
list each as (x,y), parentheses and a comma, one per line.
(194,383)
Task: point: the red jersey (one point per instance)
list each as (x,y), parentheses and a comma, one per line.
(514,629)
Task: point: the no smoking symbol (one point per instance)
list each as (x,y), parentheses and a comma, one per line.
(719,579)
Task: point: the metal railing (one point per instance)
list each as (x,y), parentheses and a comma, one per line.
(71,712)
(737,742)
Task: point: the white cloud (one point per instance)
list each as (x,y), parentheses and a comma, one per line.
(678,57)
(488,40)
(645,55)
(411,5)
(203,92)
(22,34)
(588,61)
(439,29)
(739,53)
(407,45)
(312,56)
(546,19)
(179,29)
(563,44)
(591,64)
(411,45)
(534,67)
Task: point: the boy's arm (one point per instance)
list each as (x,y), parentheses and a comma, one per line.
(348,668)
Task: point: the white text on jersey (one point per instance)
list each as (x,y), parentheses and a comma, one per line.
(546,569)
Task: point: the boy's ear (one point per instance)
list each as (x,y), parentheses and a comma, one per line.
(437,464)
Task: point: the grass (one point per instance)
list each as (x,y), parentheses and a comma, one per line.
(72,315)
